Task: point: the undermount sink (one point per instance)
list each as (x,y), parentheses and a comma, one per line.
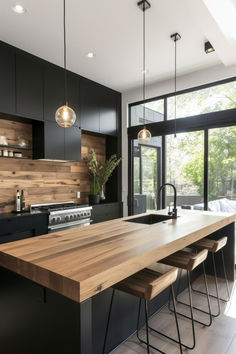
(150,219)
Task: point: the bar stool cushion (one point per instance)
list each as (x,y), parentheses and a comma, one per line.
(185,259)
(211,245)
(147,283)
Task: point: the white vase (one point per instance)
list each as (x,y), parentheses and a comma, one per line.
(102,195)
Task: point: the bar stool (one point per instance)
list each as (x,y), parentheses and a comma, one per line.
(213,246)
(146,285)
(186,260)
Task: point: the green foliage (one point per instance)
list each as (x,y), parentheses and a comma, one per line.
(95,187)
(106,170)
(99,172)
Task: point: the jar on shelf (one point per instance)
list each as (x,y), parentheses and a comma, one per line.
(17,154)
(5,153)
(10,153)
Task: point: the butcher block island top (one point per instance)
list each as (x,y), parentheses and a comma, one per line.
(82,262)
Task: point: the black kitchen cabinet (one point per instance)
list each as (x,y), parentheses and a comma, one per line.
(89,105)
(52,142)
(29,86)
(108,112)
(106,211)
(17,227)
(54,90)
(73,143)
(7,79)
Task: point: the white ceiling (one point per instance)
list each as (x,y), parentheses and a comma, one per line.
(113,30)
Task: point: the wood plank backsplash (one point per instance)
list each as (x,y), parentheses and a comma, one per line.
(44,181)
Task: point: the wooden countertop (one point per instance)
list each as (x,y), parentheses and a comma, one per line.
(81,262)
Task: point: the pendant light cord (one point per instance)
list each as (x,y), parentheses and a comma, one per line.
(144,62)
(64,30)
(175,81)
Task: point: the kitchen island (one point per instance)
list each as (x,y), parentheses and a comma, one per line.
(54,286)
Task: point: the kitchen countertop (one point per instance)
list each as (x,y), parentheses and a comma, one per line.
(11,215)
(82,262)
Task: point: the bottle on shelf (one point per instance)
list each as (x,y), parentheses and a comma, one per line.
(18,201)
(22,200)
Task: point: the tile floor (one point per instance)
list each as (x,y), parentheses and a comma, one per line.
(220,338)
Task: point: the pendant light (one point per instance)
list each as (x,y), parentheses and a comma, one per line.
(65,116)
(144,135)
(175,37)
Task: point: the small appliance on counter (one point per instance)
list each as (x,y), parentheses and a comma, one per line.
(64,216)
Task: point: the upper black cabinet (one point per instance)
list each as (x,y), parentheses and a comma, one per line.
(98,108)
(52,142)
(73,144)
(89,105)
(108,112)
(29,86)
(7,79)
(54,90)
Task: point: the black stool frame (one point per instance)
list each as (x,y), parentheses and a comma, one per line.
(147,342)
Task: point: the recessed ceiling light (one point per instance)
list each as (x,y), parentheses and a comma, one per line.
(19,9)
(90,55)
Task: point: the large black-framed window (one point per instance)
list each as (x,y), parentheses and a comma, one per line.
(205,122)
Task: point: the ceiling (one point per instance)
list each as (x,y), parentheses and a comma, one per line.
(113,31)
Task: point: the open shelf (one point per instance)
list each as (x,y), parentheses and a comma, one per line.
(16,147)
(14,157)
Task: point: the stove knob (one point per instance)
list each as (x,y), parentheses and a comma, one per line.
(53,220)
(75,216)
(67,218)
(71,216)
(58,219)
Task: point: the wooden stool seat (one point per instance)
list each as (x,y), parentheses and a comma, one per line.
(211,245)
(147,283)
(185,260)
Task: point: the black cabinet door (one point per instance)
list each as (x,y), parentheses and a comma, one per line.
(54,141)
(73,84)
(54,90)
(108,112)
(29,86)
(7,79)
(89,105)
(73,143)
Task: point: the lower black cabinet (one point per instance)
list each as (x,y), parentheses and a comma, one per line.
(18,227)
(105,212)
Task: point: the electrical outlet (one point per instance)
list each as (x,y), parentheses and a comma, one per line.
(78,195)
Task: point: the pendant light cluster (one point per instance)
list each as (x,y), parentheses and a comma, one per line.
(144,135)
(65,116)
(175,37)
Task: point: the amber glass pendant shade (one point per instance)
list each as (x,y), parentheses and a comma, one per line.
(144,136)
(65,116)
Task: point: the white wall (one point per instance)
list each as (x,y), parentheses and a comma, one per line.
(193,79)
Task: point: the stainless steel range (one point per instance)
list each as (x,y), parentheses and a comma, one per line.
(66,215)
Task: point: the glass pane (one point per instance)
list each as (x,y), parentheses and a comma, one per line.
(211,99)
(146,169)
(222,169)
(149,176)
(185,169)
(136,174)
(154,112)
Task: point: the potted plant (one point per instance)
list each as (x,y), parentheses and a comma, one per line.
(93,165)
(105,172)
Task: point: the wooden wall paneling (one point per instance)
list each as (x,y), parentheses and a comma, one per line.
(44,181)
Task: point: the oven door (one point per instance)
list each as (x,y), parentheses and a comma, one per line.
(69,225)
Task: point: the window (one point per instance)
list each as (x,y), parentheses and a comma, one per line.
(222,169)
(154,112)
(211,99)
(185,168)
